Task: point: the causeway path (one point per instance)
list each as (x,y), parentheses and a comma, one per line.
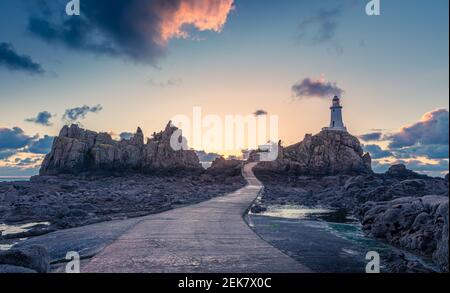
(210,237)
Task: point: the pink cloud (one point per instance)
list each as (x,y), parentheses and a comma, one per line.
(202,14)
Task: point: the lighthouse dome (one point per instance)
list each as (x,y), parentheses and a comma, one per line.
(336,101)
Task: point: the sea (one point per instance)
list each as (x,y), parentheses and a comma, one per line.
(13,179)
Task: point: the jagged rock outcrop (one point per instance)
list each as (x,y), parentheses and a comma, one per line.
(76,150)
(327,153)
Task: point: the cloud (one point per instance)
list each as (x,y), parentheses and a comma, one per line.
(320,27)
(6,154)
(379,166)
(164,84)
(373,136)
(377,152)
(41,146)
(18,171)
(12,60)
(135,29)
(416,165)
(260,113)
(14,138)
(433,128)
(42,118)
(28,162)
(202,14)
(427,138)
(309,88)
(439,168)
(126,135)
(74,114)
(30,152)
(429,151)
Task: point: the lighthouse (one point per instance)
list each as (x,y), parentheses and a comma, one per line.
(336,123)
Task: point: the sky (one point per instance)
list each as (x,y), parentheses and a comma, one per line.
(124,64)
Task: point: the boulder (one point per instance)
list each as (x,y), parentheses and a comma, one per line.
(8,269)
(407,188)
(440,256)
(398,263)
(418,224)
(33,257)
(10,196)
(257,209)
(224,167)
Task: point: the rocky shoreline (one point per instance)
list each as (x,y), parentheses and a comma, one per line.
(330,170)
(89,178)
(73,201)
(402,208)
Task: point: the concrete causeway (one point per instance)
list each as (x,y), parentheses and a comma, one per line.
(210,237)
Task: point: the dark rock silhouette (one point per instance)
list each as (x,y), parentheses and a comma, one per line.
(401,172)
(76,150)
(327,153)
(224,167)
(27,260)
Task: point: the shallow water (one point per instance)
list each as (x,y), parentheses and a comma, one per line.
(13,179)
(325,240)
(13,229)
(7,246)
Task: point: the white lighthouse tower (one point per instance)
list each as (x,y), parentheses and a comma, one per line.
(336,123)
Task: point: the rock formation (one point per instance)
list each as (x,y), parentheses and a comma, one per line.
(401,172)
(33,259)
(76,150)
(416,223)
(327,153)
(224,167)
